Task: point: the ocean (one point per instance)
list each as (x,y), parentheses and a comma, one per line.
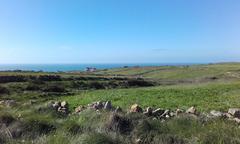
(70,67)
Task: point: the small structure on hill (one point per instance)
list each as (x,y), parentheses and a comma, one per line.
(90,69)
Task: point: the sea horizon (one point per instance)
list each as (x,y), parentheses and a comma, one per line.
(79,67)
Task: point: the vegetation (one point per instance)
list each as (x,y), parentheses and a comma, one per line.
(208,87)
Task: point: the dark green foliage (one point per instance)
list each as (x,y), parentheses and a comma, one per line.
(6,79)
(6,119)
(36,127)
(97,138)
(33,87)
(96,85)
(3,90)
(73,128)
(119,124)
(49,78)
(139,83)
(54,88)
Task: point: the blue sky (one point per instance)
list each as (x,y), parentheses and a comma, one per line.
(119,31)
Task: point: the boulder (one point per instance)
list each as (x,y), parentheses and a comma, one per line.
(192,110)
(108,105)
(158,112)
(64,104)
(234,112)
(136,108)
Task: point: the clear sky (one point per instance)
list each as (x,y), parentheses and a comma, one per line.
(119,31)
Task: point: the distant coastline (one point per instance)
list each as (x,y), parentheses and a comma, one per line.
(77,67)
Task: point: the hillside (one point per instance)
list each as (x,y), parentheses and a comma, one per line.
(65,107)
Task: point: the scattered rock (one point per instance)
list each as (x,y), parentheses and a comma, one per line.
(179,111)
(136,108)
(237,120)
(64,104)
(108,105)
(56,105)
(234,112)
(2,102)
(158,112)
(63,110)
(166,114)
(148,111)
(192,110)
(138,141)
(216,113)
(118,109)
(227,115)
(79,109)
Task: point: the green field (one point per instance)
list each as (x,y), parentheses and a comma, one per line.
(207,87)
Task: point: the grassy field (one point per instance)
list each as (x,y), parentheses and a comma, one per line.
(208,87)
(218,96)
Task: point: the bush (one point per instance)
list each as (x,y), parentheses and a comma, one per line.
(96,85)
(120,124)
(33,87)
(54,88)
(140,83)
(36,127)
(6,119)
(4,90)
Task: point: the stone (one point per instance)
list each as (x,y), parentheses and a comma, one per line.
(63,110)
(234,112)
(179,111)
(136,108)
(192,110)
(148,111)
(2,102)
(158,112)
(108,105)
(166,112)
(79,109)
(10,103)
(138,141)
(64,104)
(228,115)
(236,120)
(99,105)
(56,105)
(118,109)
(216,113)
